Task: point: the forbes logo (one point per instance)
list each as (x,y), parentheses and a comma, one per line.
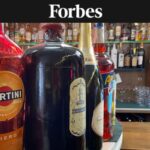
(75,12)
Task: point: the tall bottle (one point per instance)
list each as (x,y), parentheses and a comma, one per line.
(120,57)
(106,68)
(114,55)
(141,53)
(94,119)
(11,95)
(56,95)
(118,31)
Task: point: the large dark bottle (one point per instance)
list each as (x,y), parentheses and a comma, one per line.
(11,94)
(94,119)
(56,102)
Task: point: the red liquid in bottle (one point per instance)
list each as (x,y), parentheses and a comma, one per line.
(106,68)
(11,95)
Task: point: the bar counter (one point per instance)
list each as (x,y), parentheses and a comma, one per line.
(136,135)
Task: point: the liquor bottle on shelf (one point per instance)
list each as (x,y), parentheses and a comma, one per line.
(134,57)
(133,32)
(125,32)
(108,50)
(120,57)
(138,32)
(148,31)
(69,32)
(6,29)
(106,69)
(22,33)
(34,37)
(40,35)
(114,55)
(12,31)
(94,119)
(141,56)
(63,35)
(56,93)
(75,27)
(12,94)
(118,31)
(17,33)
(111,35)
(143,31)
(28,34)
(127,59)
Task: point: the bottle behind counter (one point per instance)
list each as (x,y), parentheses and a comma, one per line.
(56,95)
(94,119)
(106,68)
(11,94)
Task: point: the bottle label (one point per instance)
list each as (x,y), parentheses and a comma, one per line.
(11,103)
(107,79)
(77,123)
(111,35)
(127,61)
(134,61)
(28,36)
(118,30)
(69,35)
(22,31)
(133,33)
(98,119)
(140,60)
(121,60)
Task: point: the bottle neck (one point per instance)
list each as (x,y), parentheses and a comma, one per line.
(85,44)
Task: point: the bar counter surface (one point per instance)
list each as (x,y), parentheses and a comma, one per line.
(136,135)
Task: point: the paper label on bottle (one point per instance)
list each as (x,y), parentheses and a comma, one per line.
(134,61)
(77,125)
(22,31)
(11,103)
(118,30)
(114,58)
(12,140)
(111,35)
(89,59)
(98,119)
(107,79)
(11,95)
(127,61)
(113,102)
(121,60)
(140,60)
(28,36)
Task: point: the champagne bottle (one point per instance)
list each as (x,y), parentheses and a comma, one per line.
(94,117)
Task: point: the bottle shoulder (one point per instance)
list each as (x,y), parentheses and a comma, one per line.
(54,53)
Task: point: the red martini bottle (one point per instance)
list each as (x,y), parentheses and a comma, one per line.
(106,68)
(11,94)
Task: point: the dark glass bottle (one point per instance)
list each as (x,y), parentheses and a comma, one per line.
(94,119)
(12,94)
(56,103)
